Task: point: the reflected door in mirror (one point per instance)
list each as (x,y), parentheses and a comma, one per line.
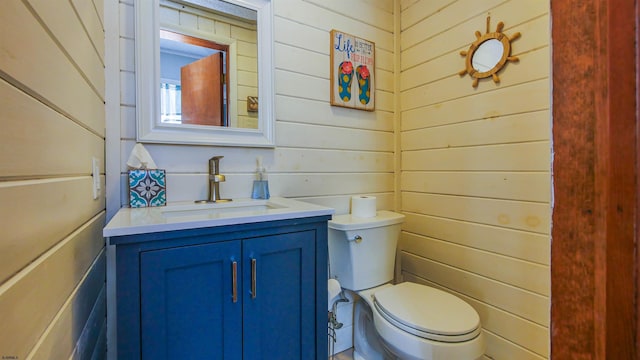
(203,91)
(194,77)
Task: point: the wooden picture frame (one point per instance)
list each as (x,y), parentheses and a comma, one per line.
(352,71)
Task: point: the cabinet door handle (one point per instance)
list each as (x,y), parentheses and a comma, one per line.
(253,278)
(234,281)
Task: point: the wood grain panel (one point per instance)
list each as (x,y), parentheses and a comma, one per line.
(300,35)
(281,160)
(246,48)
(127,54)
(522,186)
(321,18)
(301,86)
(375,16)
(450,64)
(533,126)
(527,97)
(247,35)
(342,203)
(533,51)
(595,232)
(61,336)
(461,36)
(437,17)
(57,206)
(247,78)
(507,328)
(522,303)
(455,87)
(317,112)
(533,156)
(508,242)
(326,137)
(45,285)
(44,69)
(298,185)
(73,34)
(29,127)
(99,6)
(499,348)
(515,272)
(288,57)
(420,10)
(90,334)
(510,214)
(189,187)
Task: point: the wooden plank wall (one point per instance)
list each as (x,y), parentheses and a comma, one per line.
(475,178)
(52,263)
(323,154)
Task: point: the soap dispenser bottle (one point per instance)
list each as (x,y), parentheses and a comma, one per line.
(260,184)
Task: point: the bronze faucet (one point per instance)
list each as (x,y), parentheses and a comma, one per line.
(215,178)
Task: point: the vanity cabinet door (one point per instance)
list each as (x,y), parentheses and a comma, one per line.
(187,305)
(279,275)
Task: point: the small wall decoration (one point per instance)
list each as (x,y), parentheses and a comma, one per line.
(252,103)
(352,71)
(488,54)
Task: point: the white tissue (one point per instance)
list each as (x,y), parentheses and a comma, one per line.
(363,206)
(334,291)
(140,159)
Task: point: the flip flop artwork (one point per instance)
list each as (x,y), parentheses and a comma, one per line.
(352,57)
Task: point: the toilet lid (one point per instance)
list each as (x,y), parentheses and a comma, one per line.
(428,312)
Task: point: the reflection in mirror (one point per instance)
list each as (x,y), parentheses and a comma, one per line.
(193,89)
(487,55)
(216,88)
(198,78)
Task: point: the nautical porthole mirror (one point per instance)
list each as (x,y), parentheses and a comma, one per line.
(488,54)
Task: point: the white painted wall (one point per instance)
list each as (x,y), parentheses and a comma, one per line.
(475,177)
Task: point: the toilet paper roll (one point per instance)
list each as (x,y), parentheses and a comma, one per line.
(334,291)
(363,206)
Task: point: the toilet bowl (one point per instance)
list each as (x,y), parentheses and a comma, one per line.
(407,321)
(417,322)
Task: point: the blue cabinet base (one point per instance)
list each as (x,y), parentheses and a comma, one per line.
(250,291)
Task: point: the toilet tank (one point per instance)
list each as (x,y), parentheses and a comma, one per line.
(362,251)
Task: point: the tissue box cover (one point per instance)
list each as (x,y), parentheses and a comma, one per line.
(147,188)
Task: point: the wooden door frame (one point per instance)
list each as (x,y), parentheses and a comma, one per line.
(594,275)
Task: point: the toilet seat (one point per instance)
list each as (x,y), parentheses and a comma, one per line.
(427,312)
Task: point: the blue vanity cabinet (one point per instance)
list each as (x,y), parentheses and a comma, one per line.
(176,299)
(186,305)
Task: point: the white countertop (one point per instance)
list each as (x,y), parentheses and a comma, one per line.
(188,215)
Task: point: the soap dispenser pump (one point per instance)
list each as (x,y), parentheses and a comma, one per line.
(260,184)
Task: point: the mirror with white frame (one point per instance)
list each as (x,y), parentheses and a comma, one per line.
(192,32)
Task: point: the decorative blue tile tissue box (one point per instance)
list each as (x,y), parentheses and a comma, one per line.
(147,187)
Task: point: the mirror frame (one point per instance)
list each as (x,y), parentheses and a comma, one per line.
(480,39)
(149,127)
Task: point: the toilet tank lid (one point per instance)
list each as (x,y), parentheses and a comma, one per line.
(350,222)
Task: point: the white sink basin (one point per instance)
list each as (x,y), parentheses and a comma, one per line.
(189,215)
(232,208)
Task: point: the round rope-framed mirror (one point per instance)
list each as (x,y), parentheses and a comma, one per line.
(488,54)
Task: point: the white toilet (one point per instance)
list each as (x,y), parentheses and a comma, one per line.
(407,321)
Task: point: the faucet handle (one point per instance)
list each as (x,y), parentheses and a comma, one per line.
(214,165)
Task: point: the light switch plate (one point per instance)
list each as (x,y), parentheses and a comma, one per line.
(95,173)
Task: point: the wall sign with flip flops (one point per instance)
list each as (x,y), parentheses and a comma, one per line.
(352,71)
